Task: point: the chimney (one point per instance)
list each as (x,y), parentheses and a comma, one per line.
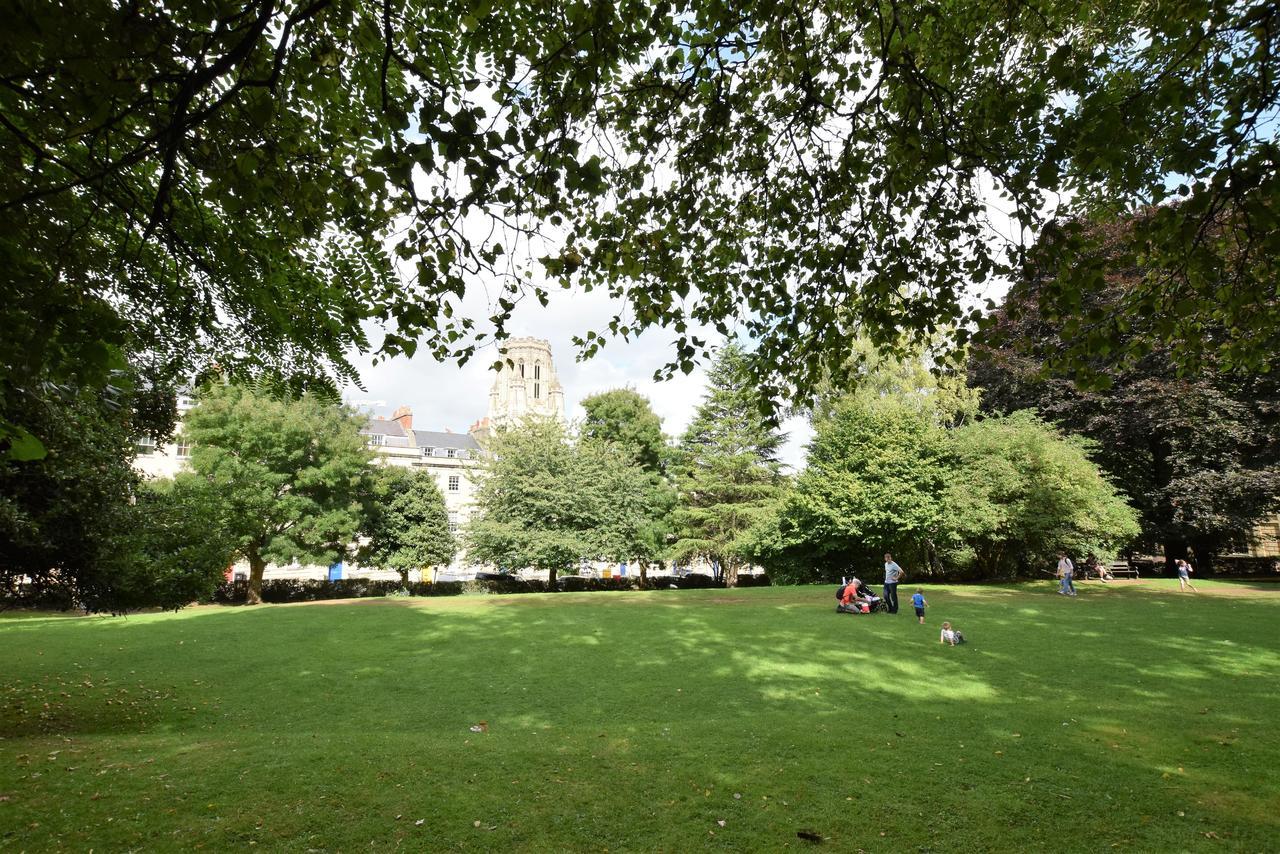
(403,415)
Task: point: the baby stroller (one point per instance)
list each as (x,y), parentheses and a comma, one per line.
(864,601)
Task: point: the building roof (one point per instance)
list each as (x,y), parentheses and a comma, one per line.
(433,439)
(386,428)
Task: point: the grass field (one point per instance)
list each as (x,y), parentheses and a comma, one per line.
(1131,718)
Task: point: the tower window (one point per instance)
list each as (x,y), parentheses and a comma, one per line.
(522,370)
(536,394)
(537,371)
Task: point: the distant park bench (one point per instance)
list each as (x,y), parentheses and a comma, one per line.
(1119,569)
(1114,570)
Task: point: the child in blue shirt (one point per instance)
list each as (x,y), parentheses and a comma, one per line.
(920,604)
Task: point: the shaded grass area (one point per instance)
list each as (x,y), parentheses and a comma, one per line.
(1132,718)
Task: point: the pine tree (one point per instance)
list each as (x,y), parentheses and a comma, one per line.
(728,476)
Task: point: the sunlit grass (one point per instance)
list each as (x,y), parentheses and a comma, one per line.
(1132,716)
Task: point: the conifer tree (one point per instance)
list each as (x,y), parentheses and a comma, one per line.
(728,470)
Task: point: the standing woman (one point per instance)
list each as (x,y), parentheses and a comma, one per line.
(1184,577)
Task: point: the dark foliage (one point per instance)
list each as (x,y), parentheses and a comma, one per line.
(1196,451)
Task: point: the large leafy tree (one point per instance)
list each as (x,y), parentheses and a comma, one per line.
(78,528)
(1018,492)
(727,470)
(874,481)
(986,498)
(624,418)
(238,181)
(406,522)
(548,503)
(1196,450)
(288,474)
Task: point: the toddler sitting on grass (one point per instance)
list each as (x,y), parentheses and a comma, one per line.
(950,635)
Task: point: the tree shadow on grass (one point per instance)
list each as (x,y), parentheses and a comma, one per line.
(687,696)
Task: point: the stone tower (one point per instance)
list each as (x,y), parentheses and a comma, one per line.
(526,386)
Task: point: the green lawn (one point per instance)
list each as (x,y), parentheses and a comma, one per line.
(1131,718)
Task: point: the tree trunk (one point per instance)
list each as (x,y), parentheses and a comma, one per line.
(1174,548)
(931,558)
(551,578)
(1204,549)
(404,578)
(257,566)
(644,574)
(731,573)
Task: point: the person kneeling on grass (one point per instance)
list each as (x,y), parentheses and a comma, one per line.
(950,635)
(848,597)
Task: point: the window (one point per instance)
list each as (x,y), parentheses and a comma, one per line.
(145,446)
(184,448)
(426,452)
(451,453)
(521,370)
(455,483)
(537,371)
(453,521)
(376,439)
(536,391)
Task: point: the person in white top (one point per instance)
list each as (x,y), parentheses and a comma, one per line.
(1065,570)
(950,635)
(892,574)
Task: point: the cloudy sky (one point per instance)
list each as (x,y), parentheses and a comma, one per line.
(444,396)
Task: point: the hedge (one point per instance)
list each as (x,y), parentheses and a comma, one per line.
(278,591)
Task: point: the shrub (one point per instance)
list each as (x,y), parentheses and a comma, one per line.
(282,590)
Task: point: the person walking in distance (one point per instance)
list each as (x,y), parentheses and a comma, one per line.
(1066,569)
(892,574)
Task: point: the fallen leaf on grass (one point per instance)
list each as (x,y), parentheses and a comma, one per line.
(720,822)
(420,822)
